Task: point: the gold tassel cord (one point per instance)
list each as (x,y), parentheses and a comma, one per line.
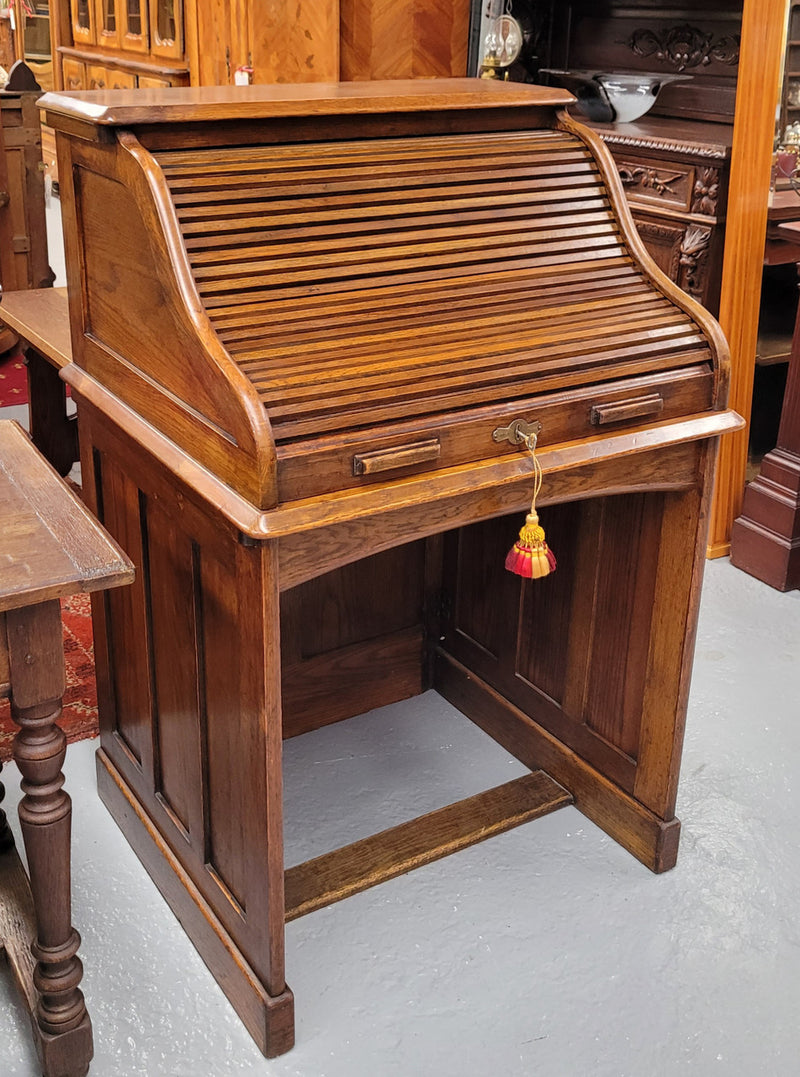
(530,556)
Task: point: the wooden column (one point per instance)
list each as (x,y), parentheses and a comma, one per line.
(763,36)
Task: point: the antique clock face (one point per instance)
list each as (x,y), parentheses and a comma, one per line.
(509,33)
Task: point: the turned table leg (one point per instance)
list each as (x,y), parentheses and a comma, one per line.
(64,1040)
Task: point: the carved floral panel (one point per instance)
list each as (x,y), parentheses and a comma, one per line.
(684,47)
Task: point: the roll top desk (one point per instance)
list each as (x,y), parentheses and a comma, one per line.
(305,320)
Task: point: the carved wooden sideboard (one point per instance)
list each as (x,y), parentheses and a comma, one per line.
(674,162)
(308,325)
(675,175)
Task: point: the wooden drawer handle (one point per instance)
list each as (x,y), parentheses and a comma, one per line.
(618,410)
(421,452)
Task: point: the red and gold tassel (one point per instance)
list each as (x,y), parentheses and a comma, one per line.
(530,556)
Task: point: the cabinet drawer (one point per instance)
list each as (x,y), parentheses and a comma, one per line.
(151,82)
(74,73)
(664,183)
(312,467)
(105,78)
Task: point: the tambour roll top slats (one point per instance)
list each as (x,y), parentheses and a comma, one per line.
(357,283)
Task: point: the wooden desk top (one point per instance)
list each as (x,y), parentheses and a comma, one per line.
(41,317)
(50,544)
(181,104)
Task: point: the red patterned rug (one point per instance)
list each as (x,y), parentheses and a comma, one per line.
(13,380)
(79,717)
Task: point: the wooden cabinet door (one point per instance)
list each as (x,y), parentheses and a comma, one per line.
(150,82)
(121,80)
(279,42)
(216,40)
(289,42)
(23,232)
(107,23)
(689,253)
(134,18)
(392,39)
(8,259)
(83,25)
(166,27)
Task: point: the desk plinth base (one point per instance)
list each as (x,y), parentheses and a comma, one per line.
(269,1019)
(650,839)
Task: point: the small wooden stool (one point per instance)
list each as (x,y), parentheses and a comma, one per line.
(50,547)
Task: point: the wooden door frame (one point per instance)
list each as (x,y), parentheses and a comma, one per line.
(760,67)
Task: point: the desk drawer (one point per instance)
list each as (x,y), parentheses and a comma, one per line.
(312,467)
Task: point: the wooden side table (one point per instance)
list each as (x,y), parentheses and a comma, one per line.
(765,539)
(50,547)
(40,318)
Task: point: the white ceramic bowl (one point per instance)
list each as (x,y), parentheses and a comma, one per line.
(631,96)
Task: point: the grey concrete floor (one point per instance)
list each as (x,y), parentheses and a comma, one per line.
(546,951)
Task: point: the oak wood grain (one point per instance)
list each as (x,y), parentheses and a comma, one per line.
(269,1019)
(349,507)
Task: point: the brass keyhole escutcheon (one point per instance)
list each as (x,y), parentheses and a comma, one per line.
(518,431)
